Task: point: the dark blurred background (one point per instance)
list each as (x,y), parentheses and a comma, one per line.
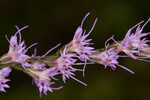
(55,21)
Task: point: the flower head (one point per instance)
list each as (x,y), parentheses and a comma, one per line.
(43,80)
(3,74)
(64,64)
(108,58)
(80,44)
(134,43)
(17,49)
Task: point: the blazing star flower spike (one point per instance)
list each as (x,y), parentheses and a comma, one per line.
(3,74)
(45,69)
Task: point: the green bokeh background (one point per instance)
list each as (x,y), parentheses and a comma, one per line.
(55,21)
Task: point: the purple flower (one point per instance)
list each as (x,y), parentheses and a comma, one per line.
(17,49)
(3,74)
(45,86)
(64,64)
(108,58)
(43,79)
(80,44)
(134,43)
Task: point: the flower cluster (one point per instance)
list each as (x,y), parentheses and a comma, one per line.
(45,69)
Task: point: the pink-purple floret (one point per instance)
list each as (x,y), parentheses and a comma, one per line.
(83,48)
(17,48)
